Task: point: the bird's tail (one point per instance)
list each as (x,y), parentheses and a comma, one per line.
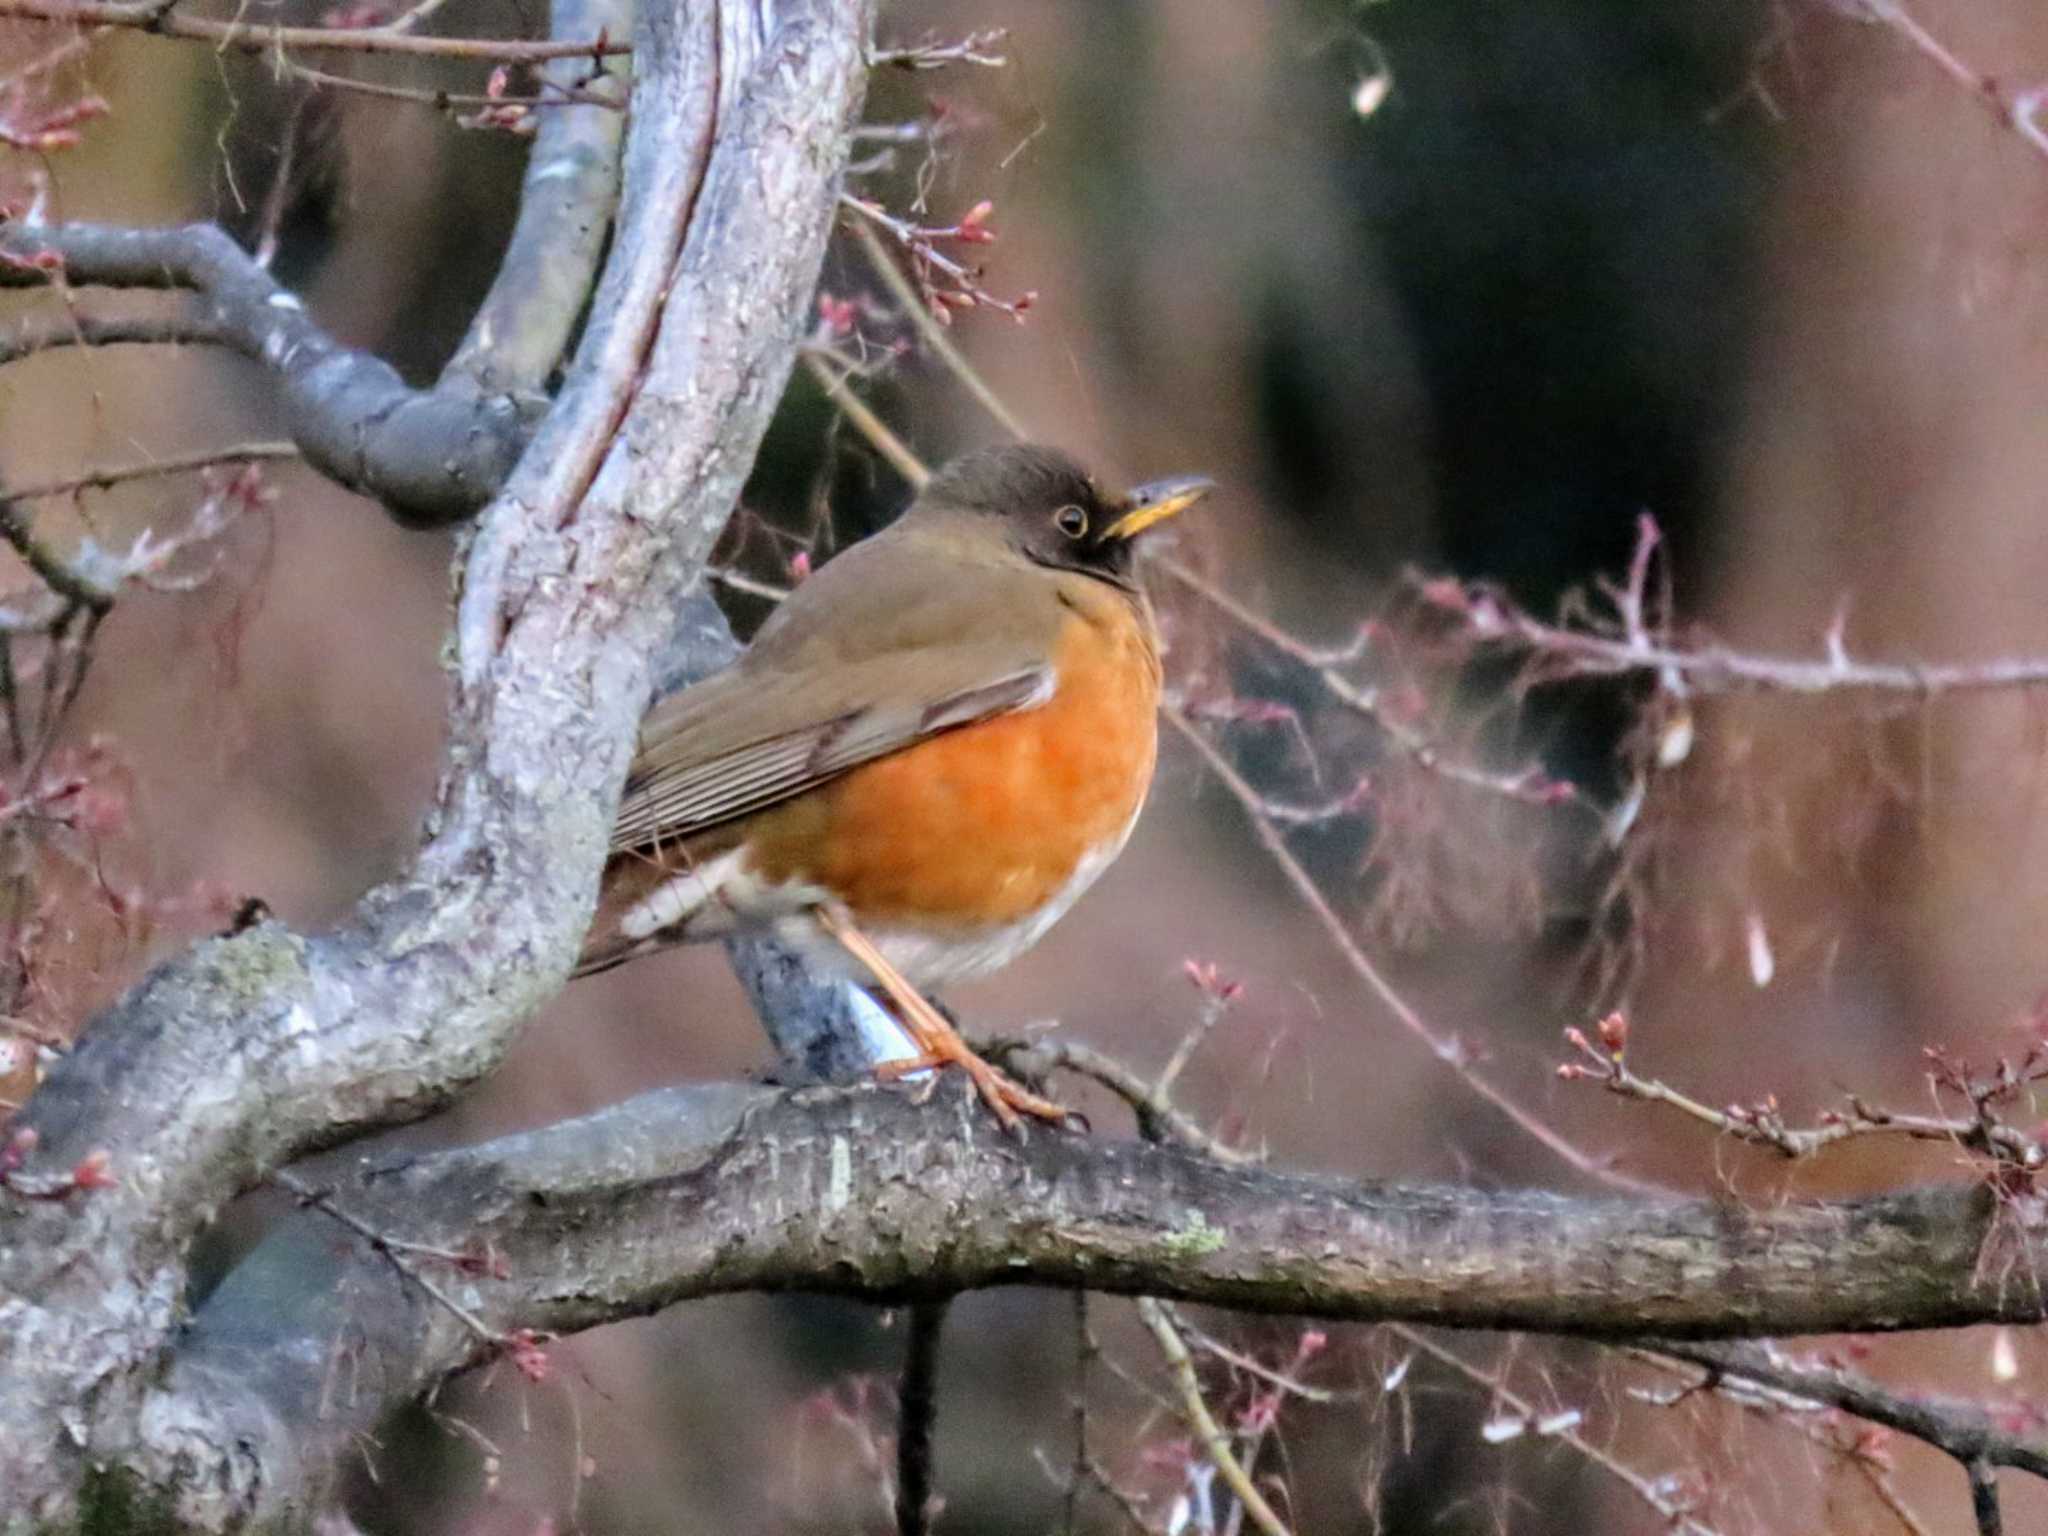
(646,903)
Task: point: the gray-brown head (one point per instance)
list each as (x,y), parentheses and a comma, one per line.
(1052,510)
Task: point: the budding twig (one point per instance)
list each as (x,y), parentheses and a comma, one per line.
(934,334)
(1764,1124)
(1448,1049)
(166,20)
(1530,785)
(171,464)
(962,288)
(394,1253)
(1194,1410)
(1631,648)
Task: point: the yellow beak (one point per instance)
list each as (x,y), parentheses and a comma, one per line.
(1156,501)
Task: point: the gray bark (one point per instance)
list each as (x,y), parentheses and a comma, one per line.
(252,1049)
(692,1192)
(431,456)
(258,1048)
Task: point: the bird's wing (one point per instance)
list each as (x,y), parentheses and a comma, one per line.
(901,659)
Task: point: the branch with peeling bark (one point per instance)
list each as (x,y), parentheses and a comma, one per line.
(257,1047)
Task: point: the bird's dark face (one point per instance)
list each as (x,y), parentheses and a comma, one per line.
(1053,511)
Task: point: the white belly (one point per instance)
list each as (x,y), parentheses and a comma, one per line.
(720,897)
(929,959)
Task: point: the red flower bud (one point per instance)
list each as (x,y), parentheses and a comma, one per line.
(94,1171)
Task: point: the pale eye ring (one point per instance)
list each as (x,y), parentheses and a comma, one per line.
(1071,520)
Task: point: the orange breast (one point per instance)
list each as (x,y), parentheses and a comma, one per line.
(985,824)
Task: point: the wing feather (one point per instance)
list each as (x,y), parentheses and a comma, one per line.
(674,792)
(904,636)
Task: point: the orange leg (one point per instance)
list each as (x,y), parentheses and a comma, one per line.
(938,1040)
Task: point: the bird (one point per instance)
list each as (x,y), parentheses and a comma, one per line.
(935,744)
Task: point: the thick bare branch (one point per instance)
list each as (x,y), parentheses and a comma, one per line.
(717,1188)
(860,1192)
(254,1048)
(431,456)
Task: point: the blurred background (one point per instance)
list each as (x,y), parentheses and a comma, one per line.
(1455,288)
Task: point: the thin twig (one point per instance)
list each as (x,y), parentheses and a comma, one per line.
(1764,1125)
(48,61)
(323,1201)
(933,54)
(2017,112)
(444,101)
(1194,1410)
(1085,1349)
(1447,1049)
(1243,1362)
(408,20)
(865,421)
(1675,1515)
(1095,1474)
(921,243)
(1962,1430)
(740,581)
(1710,669)
(1984,1497)
(167,21)
(49,567)
(1158,1118)
(1208,1016)
(1530,786)
(1876,1474)
(175,464)
(920,314)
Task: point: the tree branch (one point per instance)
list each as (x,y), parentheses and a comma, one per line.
(163,17)
(565,210)
(49,334)
(718,1188)
(254,1048)
(107,476)
(431,456)
(1196,1414)
(858,1192)
(1964,1430)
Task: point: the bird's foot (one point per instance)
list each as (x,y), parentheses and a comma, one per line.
(1002,1093)
(938,1042)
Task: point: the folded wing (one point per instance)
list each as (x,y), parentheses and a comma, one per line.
(809,701)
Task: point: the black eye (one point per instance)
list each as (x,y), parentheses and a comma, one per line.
(1071,521)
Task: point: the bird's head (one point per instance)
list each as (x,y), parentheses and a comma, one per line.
(1053,512)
